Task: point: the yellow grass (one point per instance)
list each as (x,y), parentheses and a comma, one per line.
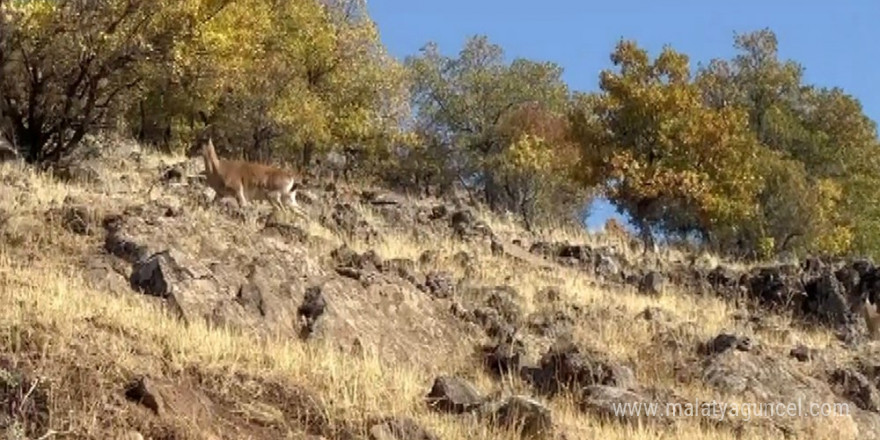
(44,300)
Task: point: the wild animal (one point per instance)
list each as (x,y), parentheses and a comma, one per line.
(249,181)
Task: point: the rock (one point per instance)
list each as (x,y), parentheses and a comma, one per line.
(802,353)
(438,212)
(168,400)
(117,243)
(160,273)
(869,285)
(288,231)
(774,287)
(312,308)
(461,223)
(190,290)
(107,274)
(399,429)
(826,300)
(503,299)
(856,387)
(532,418)
(152,276)
(453,395)
(257,294)
(202,273)
(466,227)
(768,378)
(725,281)
(848,277)
(143,391)
(495,308)
(362,267)
(652,283)
(726,341)
(504,358)
(440,284)
(607,402)
(75,216)
(566,367)
(492,322)
(347,257)
(553,324)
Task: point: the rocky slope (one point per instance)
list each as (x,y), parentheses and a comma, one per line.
(132,307)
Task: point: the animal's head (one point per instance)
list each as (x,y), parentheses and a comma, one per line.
(200,145)
(203,139)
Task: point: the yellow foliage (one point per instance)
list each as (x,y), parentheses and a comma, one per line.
(282,76)
(766,247)
(833,237)
(659,140)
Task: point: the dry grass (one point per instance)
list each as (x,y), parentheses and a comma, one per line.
(49,314)
(128,331)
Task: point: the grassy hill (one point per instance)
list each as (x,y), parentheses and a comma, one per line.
(131,307)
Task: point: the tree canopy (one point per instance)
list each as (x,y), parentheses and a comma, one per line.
(274,77)
(741,152)
(501,126)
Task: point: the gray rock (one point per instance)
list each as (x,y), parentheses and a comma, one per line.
(453,395)
(530,417)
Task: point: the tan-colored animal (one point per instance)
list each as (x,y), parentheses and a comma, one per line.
(872,318)
(249,181)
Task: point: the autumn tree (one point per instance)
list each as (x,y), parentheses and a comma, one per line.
(500,126)
(279,79)
(535,164)
(67,64)
(821,163)
(665,158)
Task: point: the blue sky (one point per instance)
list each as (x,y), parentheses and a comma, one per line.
(836,42)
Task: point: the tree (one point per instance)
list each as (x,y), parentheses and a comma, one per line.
(535,165)
(668,160)
(499,124)
(66,64)
(281,80)
(822,143)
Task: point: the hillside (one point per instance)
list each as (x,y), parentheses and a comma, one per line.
(132,308)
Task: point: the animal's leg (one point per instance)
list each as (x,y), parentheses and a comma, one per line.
(292,203)
(242,201)
(275,200)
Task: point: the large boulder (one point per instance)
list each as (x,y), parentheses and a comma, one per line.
(566,367)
